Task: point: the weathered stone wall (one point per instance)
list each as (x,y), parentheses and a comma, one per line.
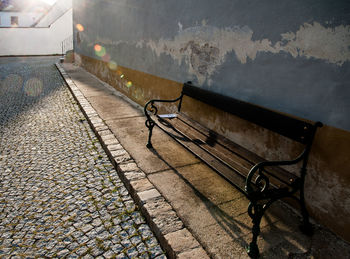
(290,56)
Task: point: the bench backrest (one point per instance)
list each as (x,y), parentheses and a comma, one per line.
(282,124)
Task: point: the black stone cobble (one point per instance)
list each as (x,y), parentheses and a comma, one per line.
(59,194)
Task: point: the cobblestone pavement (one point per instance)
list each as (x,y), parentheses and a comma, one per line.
(59,194)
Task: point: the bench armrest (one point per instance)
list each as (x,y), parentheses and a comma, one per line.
(153,109)
(262,179)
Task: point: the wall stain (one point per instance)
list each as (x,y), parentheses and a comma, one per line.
(336,189)
(205,47)
(316,41)
(201,57)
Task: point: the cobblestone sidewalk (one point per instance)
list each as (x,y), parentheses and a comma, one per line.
(59,194)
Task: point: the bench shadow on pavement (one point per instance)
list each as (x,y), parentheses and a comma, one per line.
(233,227)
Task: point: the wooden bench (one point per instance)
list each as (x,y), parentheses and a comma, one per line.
(261,181)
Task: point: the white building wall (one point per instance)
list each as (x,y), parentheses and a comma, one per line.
(24,19)
(36,41)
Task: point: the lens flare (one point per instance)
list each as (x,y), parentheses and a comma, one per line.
(70,56)
(99,50)
(79,27)
(129,84)
(33,87)
(139,94)
(112,65)
(12,83)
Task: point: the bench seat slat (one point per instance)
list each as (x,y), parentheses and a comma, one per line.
(278,172)
(236,178)
(217,150)
(240,160)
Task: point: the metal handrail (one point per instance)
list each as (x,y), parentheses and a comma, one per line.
(66,45)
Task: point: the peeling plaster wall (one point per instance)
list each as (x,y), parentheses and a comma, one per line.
(204,48)
(290,56)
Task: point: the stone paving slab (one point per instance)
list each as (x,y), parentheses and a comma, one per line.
(60,196)
(210,209)
(136,134)
(111,108)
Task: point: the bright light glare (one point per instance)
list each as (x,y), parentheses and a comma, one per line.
(79,27)
(98,47)
(33,87)
(50,2)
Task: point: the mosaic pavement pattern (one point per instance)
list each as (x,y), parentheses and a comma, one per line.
(60,196)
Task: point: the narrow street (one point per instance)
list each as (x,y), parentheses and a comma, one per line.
(59,194)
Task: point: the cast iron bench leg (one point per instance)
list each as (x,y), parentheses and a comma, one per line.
(149,124)
(256,212)
(306,226)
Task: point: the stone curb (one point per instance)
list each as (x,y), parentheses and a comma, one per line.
(173,236)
